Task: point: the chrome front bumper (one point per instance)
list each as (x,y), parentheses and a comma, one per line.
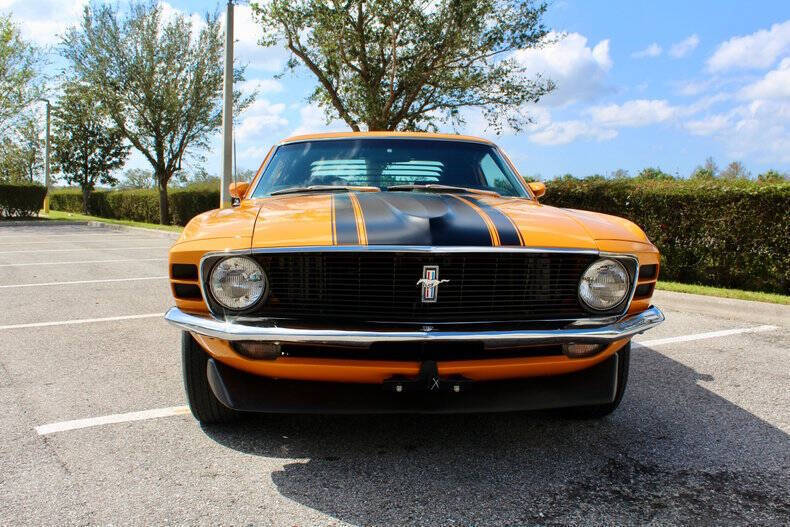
(269,331)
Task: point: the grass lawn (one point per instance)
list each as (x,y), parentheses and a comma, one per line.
(724,293)
(665,286)
(58,215)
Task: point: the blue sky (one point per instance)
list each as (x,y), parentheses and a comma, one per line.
(639,84)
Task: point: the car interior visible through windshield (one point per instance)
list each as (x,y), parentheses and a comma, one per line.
(385,163)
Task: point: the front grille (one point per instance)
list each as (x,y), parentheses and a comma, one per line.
(382,286)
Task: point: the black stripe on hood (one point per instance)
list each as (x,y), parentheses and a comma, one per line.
(508,232)
(416,218)
(345,227)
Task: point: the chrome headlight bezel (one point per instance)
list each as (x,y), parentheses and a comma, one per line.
(628,285)
(257,298)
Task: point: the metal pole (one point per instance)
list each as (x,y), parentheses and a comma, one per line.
(227,111)
(46,163)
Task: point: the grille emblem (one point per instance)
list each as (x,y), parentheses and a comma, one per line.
(430,283)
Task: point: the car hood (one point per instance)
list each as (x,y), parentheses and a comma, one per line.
(427,219)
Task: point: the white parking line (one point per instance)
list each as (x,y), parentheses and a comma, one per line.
(79,321)
(86,281)
(111,419)
(181,410)
(25,242)
(85,262)
(700,336)
(83,249)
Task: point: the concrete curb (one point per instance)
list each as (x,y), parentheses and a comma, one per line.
(39,223)
(728,308)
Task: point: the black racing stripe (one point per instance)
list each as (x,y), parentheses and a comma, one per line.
(345,221)
(469,227)
(416,218)
(508,234)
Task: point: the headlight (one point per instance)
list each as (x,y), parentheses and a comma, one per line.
(238,282)
(604,285)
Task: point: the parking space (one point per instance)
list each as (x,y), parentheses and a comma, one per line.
(701,437)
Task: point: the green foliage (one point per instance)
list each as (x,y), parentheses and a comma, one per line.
(20,201)
(86,146)
(724,233)
(139,205)
(138,178)
(20,81)
(655,174)
(159,78)
(412,64)
(772,176)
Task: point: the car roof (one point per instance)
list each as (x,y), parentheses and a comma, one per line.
(380,135)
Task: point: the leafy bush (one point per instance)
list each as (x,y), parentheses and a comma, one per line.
(728,234)
(139,205)
(21,201)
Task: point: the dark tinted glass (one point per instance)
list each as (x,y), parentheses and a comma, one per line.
(386,162)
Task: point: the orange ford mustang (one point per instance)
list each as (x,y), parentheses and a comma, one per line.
(404,272)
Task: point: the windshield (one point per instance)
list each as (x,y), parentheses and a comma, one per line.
(384,163)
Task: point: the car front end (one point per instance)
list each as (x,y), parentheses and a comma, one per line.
(386,286)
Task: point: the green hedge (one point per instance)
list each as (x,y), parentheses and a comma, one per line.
(21,201)
(138,205)
(734,234)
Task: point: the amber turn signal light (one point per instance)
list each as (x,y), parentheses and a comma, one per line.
(258,350)
(580,350)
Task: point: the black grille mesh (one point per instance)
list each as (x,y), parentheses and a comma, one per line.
(382,286)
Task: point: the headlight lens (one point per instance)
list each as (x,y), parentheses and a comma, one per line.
(604,285)
(238,282)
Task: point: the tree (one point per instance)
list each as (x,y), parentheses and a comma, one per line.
(160,80)
(87,147)
(707,171)
(654,173)
(412,64)
(20,81)
(773,176)
(139,178)
(620,173)
(735,170)
(22,151)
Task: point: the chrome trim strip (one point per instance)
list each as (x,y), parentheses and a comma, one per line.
(230,330)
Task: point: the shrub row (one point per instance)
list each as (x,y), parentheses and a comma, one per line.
(21,201)
(138,205)
(713,233)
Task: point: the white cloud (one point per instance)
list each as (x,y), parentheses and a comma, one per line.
(313,120)
(653,50)
(578,70)
(564,132)
(775,84)
(261,116)
(45,21)
(684,47)
(639,112)
(247,32)
(756,51)
(708,125)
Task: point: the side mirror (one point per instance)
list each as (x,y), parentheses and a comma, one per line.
(237,191)
(538,188)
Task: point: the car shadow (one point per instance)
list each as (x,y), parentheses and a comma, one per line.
(674,452)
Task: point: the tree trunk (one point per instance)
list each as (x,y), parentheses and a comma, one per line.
(86,195)
(164,210)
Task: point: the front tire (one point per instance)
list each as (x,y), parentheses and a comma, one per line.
(598,411)
(202,402)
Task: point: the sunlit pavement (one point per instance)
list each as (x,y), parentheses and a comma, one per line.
(701,437)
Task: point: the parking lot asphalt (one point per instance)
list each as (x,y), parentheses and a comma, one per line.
(701,436)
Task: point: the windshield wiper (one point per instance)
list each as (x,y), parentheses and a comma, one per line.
(431,187)
(324,188)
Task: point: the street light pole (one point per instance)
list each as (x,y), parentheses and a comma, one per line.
(227,111)
(46,161)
